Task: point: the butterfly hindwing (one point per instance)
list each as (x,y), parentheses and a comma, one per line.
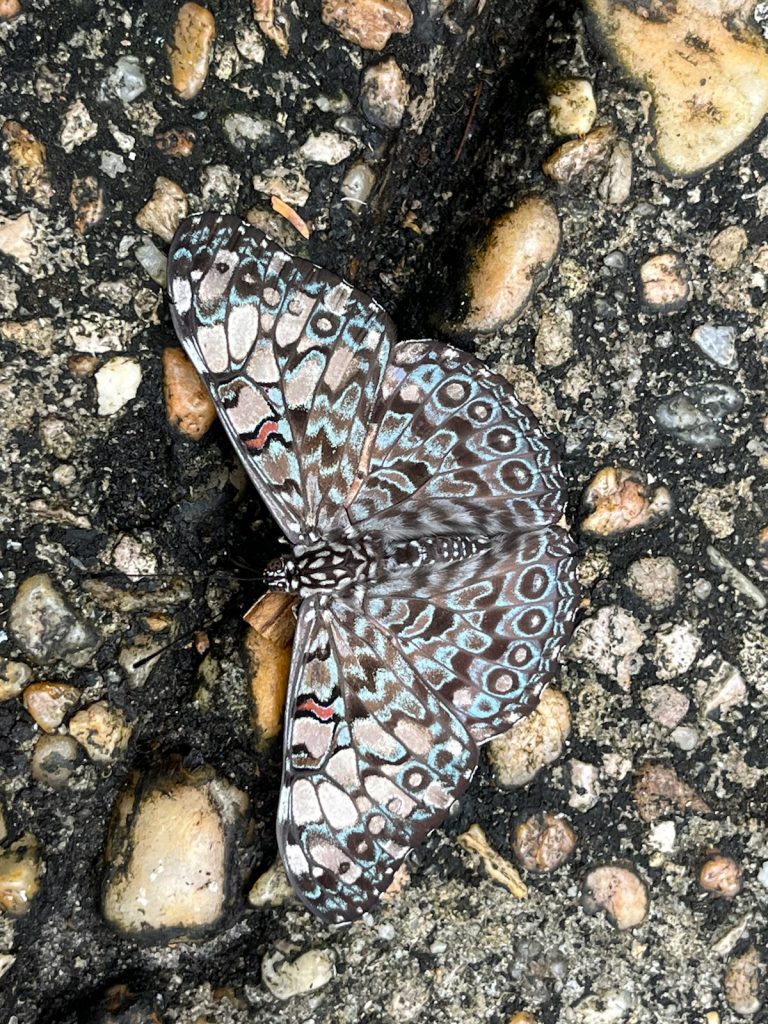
(293,357)
(373,761)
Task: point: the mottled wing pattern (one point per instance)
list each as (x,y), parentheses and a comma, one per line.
(373,760)
(485,634)
(450,449)
(293,357)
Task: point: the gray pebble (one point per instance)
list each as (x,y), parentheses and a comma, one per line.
(718,344)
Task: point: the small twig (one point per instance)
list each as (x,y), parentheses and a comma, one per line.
(470,119)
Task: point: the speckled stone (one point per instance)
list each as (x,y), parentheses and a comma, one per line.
(619,892)
(656,581)
(610,641)
(101,730)
(54,760)
(535,742)
(49,703)
(543,842)
(286,978)
(619,499)
(191,50)
(665,283)
(721,876)
(743,980)
(46,626)
(163,213)
(21,870)
(14,676)
(659,791)
(369,23)
(384,94)
(572,107)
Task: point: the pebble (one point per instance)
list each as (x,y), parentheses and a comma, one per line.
(326,148)
(219,187)
(357,185)
(619,892)
(3,826)
(685,737)
(117,384)
(728,246)
(153,260)
(126,80)
(286,978)
(14,677)
(663,836)
(572,107)
(736,578)
(585,785)
(169,852)
(49,703)
(268,644)
(274,21)
(554,337)
(743,981)
(46,627)
(54,760)
(29,163)
(659,792)
(665,705)
(536,741)
(21,870)
(77,127)
(246,131)
(187,403)
(368,23)
(676,649)
(512,264)
(163,213)
(718,344)
(191,51)
(272,888)
(706,78)
(570,160)
(656,581)
(543,842)
(9,9)
(619,499)
(608,1006)
(287,183)
(101,730)
(176,142)
(616,185)
(475,841)
(665,283)
(721,876)
(725,690)
(384,94)
(696,415)
(17,239)
(609,641)
(88,204)
(7,960)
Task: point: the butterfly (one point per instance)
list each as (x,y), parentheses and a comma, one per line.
(420,499)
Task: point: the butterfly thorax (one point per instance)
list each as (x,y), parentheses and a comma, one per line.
(328,567)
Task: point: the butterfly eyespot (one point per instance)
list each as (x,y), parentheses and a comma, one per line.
(500,440)
(517,476)
(531,622)
(520,655)
(480,411)
(271,296)
(344,867)
(221,267)
(453,394)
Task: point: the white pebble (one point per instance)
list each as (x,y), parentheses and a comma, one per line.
(117,382)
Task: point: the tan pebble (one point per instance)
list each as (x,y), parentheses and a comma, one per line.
(192,48)
(167,853)
(3,826)
(9,9)
(178,142)
(610,641)
(620,499)
(659,792)
(285,979)
(512,263)
(665,705)
(369,23)
(572,107)
(83,365)
(17,239)
(88,204)
(162,214)
(274,21)
(543,842)
(54,759)
(187,402)
(721,876)
(535,742)
(728,246)
(523,1017)
(743,981)
(570,160)
(619,892)
(616,185)
(272,888)
(102,731)
(273,617)
(14,676)
(21,869)
(665,283)
(270,666)
(384,94)
(496,867)
(48,703)
(655,581)
(709,83)
(287,183)
(400,881)
(554,338)
(29,162)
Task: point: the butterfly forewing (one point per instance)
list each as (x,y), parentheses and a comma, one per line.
(400,674)
(293,357)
